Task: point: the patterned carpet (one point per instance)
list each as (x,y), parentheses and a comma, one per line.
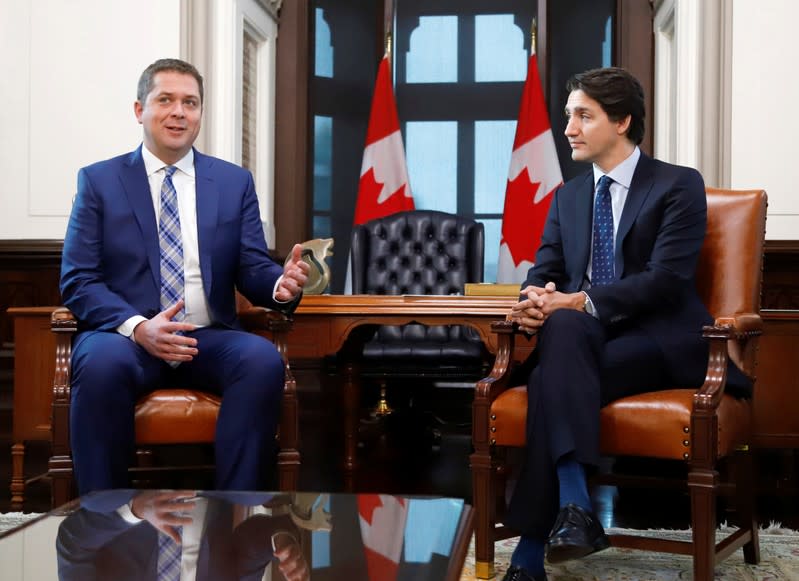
(779,551)
(9,520)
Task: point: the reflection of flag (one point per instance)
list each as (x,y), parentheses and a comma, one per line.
(382,519)
(384,188)
(534,173)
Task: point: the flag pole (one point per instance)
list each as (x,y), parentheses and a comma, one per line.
(533,27)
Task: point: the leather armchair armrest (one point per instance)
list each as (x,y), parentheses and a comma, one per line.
(731,337)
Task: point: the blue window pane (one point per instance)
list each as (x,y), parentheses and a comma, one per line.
(493,145)
(321,227)
(323,66)
(499,49)
(607,44)
(493,228)
(433,54)
(432,162)
(322,162)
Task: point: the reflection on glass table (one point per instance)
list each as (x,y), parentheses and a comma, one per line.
(188,535)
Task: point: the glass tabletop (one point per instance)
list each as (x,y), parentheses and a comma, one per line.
(126,535)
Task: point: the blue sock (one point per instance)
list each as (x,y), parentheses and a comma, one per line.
(573,486)
(529,555)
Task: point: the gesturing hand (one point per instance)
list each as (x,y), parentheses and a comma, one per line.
(164,510)
(288,552)
(157,336)
(295,273)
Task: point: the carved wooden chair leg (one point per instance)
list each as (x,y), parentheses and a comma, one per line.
(745,501)
(703,484)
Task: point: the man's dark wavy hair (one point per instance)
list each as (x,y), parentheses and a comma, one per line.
(618,93)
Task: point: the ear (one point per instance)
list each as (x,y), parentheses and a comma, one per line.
(138,108)
(624,125)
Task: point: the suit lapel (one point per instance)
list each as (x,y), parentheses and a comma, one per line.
(583,216)
(137,189)
(640,186)
(207,213)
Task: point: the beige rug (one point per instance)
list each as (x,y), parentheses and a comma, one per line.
(779,552)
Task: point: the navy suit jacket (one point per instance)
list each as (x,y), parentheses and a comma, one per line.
(110,267)
(659,238)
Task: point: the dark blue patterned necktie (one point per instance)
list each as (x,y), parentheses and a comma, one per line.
(602,267)
(171,245)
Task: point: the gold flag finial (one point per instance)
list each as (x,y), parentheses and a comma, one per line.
(388,43)
(532,36)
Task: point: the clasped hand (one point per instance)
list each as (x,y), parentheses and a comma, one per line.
(532,312)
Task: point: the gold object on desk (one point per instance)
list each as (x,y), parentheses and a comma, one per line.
(314,252)
(490,289)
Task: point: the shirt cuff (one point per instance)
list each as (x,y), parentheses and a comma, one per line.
(127,515)
(589,306)
(274,293)
(128,326)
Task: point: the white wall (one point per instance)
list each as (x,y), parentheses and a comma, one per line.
(764,124)
(69,82)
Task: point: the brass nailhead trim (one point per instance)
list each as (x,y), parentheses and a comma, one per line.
(493,428)
(685,456)
(686,429)
(686,443)
(493,416)
(493,441)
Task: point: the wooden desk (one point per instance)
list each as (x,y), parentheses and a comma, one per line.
(329,324)
(34,352)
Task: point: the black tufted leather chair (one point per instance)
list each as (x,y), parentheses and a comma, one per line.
(419,252)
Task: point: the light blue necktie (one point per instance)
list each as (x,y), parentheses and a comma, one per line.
(171,245)
(602,263)
(169,555)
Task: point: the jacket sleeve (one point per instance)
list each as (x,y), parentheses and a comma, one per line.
(84,289)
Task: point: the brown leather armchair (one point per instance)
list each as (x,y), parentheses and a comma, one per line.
(171,416)
(699,427)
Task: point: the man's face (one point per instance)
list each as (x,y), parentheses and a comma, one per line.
(170,115)
(592,135)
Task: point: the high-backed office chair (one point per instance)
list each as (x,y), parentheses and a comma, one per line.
(420,252)
(700,427)
(171,416)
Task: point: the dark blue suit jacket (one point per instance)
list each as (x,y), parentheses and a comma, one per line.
(110,267)
(658,242)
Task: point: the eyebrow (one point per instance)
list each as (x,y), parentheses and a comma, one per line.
(168,94)
(578,109)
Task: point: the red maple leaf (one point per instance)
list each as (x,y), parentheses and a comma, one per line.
(523,220)
(368,208)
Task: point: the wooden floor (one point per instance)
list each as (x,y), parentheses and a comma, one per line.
(423,448)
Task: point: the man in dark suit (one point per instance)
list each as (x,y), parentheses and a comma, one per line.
(157,244)
(612,299)
(122,535)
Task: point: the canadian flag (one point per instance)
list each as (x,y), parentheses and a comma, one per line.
(384,187)
(382,518)
(534,174)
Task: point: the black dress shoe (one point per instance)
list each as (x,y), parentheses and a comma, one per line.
(577,533)
(520,574)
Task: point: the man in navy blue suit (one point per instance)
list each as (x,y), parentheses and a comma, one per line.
(613,301)
(157,244)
